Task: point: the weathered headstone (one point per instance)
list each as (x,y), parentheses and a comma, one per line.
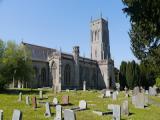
(69,115)
(139,103)
(133,99)
(125,108)
(55,101)
(146,92)
(20,97)
(152,91)
(65,100)
(27,100)
(136,90)
(84,85)
(114,96)
(58,112)
(82,104)
(146,100)
(17,115)
(34,102)
(48,110)
(41,94)
(116,112)
(1,114)
(108,93)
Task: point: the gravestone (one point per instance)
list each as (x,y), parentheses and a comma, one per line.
(17,115)
(65,100)
(20,97)
(152,91)
(1,114)
(108,93)
(116,109)
(133,99)
(114,96)
(82,104)
(139,102)
(136,90)
(124,108)
(48,110)
(116,112)
(146,92)
(55,101)
(58,112)
(146,100)
(84,85)
(118,86)
(41,94)
(34,102)
(27,100)
(69,114)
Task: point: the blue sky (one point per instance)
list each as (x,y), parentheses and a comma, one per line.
(65,23)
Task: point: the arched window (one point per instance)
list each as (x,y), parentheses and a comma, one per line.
(35,72)
(67,75)
(43,76)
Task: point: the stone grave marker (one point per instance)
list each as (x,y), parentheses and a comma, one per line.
(152,91)
(27,100)
(84,85)
(20,97)
(114,96)
(55,101)
(108,93)
(1,114)
(125,108)
(41,94)
(116,112)
(48,110)
(34,102)
(82,105)
(69,114)
(133,99)
(136,90)
(58,112)
(65,100)
(139,103)
(146,92)
(146,100)
(17,115)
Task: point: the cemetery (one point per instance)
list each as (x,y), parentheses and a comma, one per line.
(27,104)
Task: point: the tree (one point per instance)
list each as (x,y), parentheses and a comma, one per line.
(145,30)
(122,75)
(17,65)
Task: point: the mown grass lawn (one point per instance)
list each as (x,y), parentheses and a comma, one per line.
(9,102)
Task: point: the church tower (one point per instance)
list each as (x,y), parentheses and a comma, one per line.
(100,49)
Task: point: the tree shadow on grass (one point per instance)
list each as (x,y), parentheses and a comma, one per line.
(24,91)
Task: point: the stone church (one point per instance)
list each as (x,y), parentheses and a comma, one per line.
(54,68)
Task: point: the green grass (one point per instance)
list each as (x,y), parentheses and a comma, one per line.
(9,102)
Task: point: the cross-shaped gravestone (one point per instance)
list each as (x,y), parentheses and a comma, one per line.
(58,112)
(69,115)
(65,100)
(41,94)
(27,100)
(55,101)
(124,108)
(1,114)
(17,115)
(34,102)
(48,110)
(20,97)
(83,105)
